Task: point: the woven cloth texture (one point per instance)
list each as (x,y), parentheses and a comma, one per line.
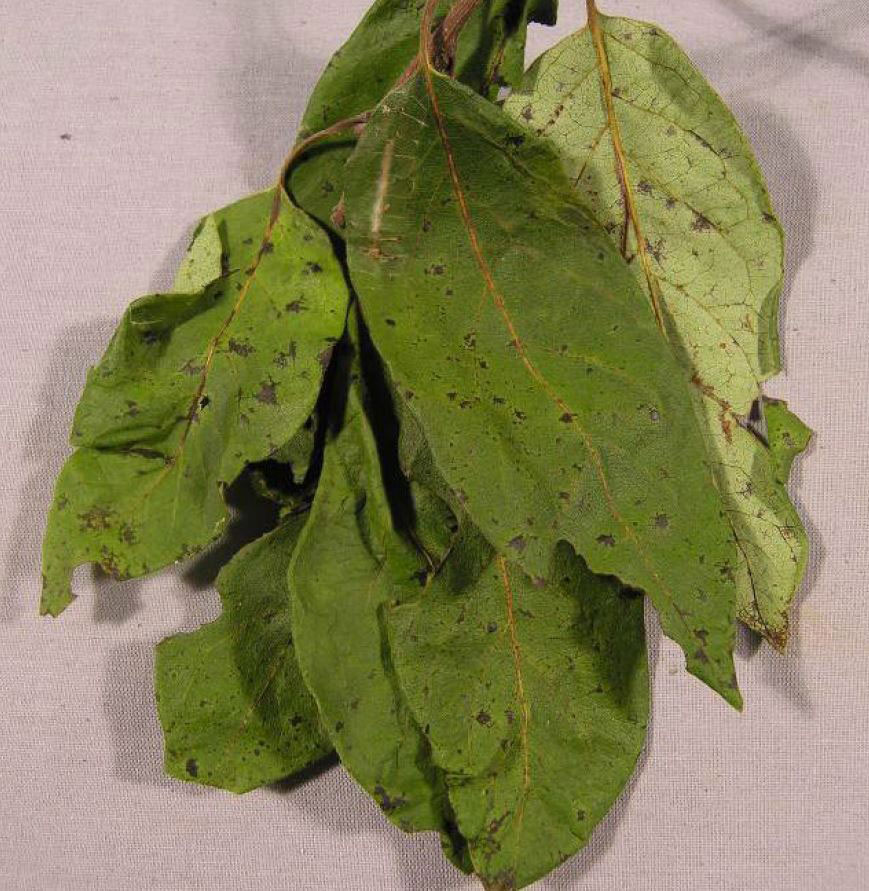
(120,124)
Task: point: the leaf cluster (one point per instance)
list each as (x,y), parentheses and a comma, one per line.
(494,368)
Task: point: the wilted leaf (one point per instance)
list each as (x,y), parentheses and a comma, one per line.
(350,561)
(553,407)
(490,52)
(193,387)
(535,699)
(664,167)
(235,711)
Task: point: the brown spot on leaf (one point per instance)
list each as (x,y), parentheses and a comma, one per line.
(484,718)
(606,541)
(266,394)
(239,347)
(191,368)
(96,519)
(284,358)
(387,803)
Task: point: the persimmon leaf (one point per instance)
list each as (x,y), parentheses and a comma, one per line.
(553,407)
(203,262)
(490,53)
(234,709)
(665,169)
(351,560)
(192,387)
(787,435)
(535,699)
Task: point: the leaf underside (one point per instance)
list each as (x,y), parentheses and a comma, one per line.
(667,172)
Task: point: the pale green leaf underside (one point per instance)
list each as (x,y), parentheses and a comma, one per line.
(706,236)
(709,232)
(491,52)
(768,513)
(520,340)
(234,709)
(535,699)
(192,387)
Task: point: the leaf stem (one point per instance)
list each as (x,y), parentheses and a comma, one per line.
(304,145)
(449,32)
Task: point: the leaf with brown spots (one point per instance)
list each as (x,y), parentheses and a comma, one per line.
(203,262)
(490,52)
(352,559)
(230,696)
(665,169)
(535,701)
(177,407)
(568,388)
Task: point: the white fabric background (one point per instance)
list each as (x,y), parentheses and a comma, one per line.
(175,107)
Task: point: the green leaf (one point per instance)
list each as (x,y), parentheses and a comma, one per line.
(203,262)
(788,436)
(490,52)
(553,407)
(779,544)
(535,699)
(666,170)
(193,387)
(350,561)
(234,709)
(288,476)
